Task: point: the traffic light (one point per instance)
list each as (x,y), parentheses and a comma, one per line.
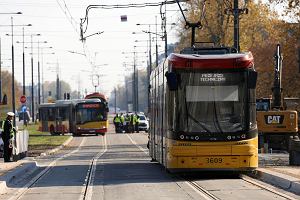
(66,96)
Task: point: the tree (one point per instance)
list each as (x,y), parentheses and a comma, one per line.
(260,31)
(6,89)
(124,92)
(50,89)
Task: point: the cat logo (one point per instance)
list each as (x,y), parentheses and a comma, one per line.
(274,119)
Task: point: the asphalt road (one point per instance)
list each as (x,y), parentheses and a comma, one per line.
(117,166)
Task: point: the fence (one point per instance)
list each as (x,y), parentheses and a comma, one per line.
(20,144)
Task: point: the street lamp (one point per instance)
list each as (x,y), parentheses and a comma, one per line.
(32,90)
(134,79)
(13,65)
(5,13)
(39,70)
(58,86)
(24,90)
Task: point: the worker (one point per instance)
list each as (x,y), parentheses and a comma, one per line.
(117,123)
(7,136)
(127,124)
(137,122)
(132,123)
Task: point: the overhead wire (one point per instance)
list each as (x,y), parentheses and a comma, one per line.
(68,15)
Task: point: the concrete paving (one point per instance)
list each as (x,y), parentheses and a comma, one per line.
(273,169)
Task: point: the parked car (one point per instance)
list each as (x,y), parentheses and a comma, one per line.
(144,123)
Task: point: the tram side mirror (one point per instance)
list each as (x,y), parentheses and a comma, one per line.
(252,79)
(172,80)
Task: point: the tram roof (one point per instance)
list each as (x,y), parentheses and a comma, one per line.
(216,61)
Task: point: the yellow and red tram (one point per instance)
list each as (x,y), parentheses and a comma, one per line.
(203,114)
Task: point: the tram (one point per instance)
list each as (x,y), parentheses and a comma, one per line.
(203,111)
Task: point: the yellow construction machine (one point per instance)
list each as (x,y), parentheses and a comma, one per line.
(277,125)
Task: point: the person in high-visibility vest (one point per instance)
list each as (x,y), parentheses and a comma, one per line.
(7,135)
(136,123)
(127,123)
(117,122)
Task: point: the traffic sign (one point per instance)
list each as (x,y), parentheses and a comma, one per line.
(23,99)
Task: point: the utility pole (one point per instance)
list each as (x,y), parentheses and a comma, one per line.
(32,90)
(134,83)
(58,88)
(115,100)
(236,25)
(13,70)
(165,31)
(0,75)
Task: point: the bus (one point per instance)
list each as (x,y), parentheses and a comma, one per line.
(56,118)
(90,117)
(82,116)
(202,111)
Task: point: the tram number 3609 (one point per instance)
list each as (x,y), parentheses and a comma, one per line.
(214,160)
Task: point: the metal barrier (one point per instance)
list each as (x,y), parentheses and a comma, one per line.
(20,144)
(295,152)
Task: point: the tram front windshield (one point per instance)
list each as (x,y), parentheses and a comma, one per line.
(90,113)
(211,102)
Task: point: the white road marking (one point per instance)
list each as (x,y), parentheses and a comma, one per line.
(138,146)
(21,191)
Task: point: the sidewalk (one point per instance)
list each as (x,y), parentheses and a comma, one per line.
(11,170)
(275,169)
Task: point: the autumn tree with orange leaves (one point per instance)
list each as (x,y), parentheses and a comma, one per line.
(260,31)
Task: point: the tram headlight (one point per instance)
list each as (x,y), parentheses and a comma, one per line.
(78,128)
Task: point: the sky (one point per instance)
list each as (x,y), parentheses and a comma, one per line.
(58,22)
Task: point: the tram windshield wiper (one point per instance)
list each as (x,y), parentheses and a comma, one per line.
(198,122)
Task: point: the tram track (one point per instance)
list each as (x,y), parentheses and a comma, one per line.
(87,190)
(200,190)
(86,193)
(208,195)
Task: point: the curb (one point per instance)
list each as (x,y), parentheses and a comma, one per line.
(284,181)
(16,172)
(25,167)
(57,148)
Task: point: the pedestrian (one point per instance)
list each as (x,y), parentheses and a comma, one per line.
(137,122)
(7,135)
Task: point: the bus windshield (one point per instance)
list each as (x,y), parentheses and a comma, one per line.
(211,102)
(90,113)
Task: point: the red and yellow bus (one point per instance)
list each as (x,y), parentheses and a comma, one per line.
(57,117)
(82,116)
(202,114)
(90,117)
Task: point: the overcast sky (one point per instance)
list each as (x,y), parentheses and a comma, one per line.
(58,23)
